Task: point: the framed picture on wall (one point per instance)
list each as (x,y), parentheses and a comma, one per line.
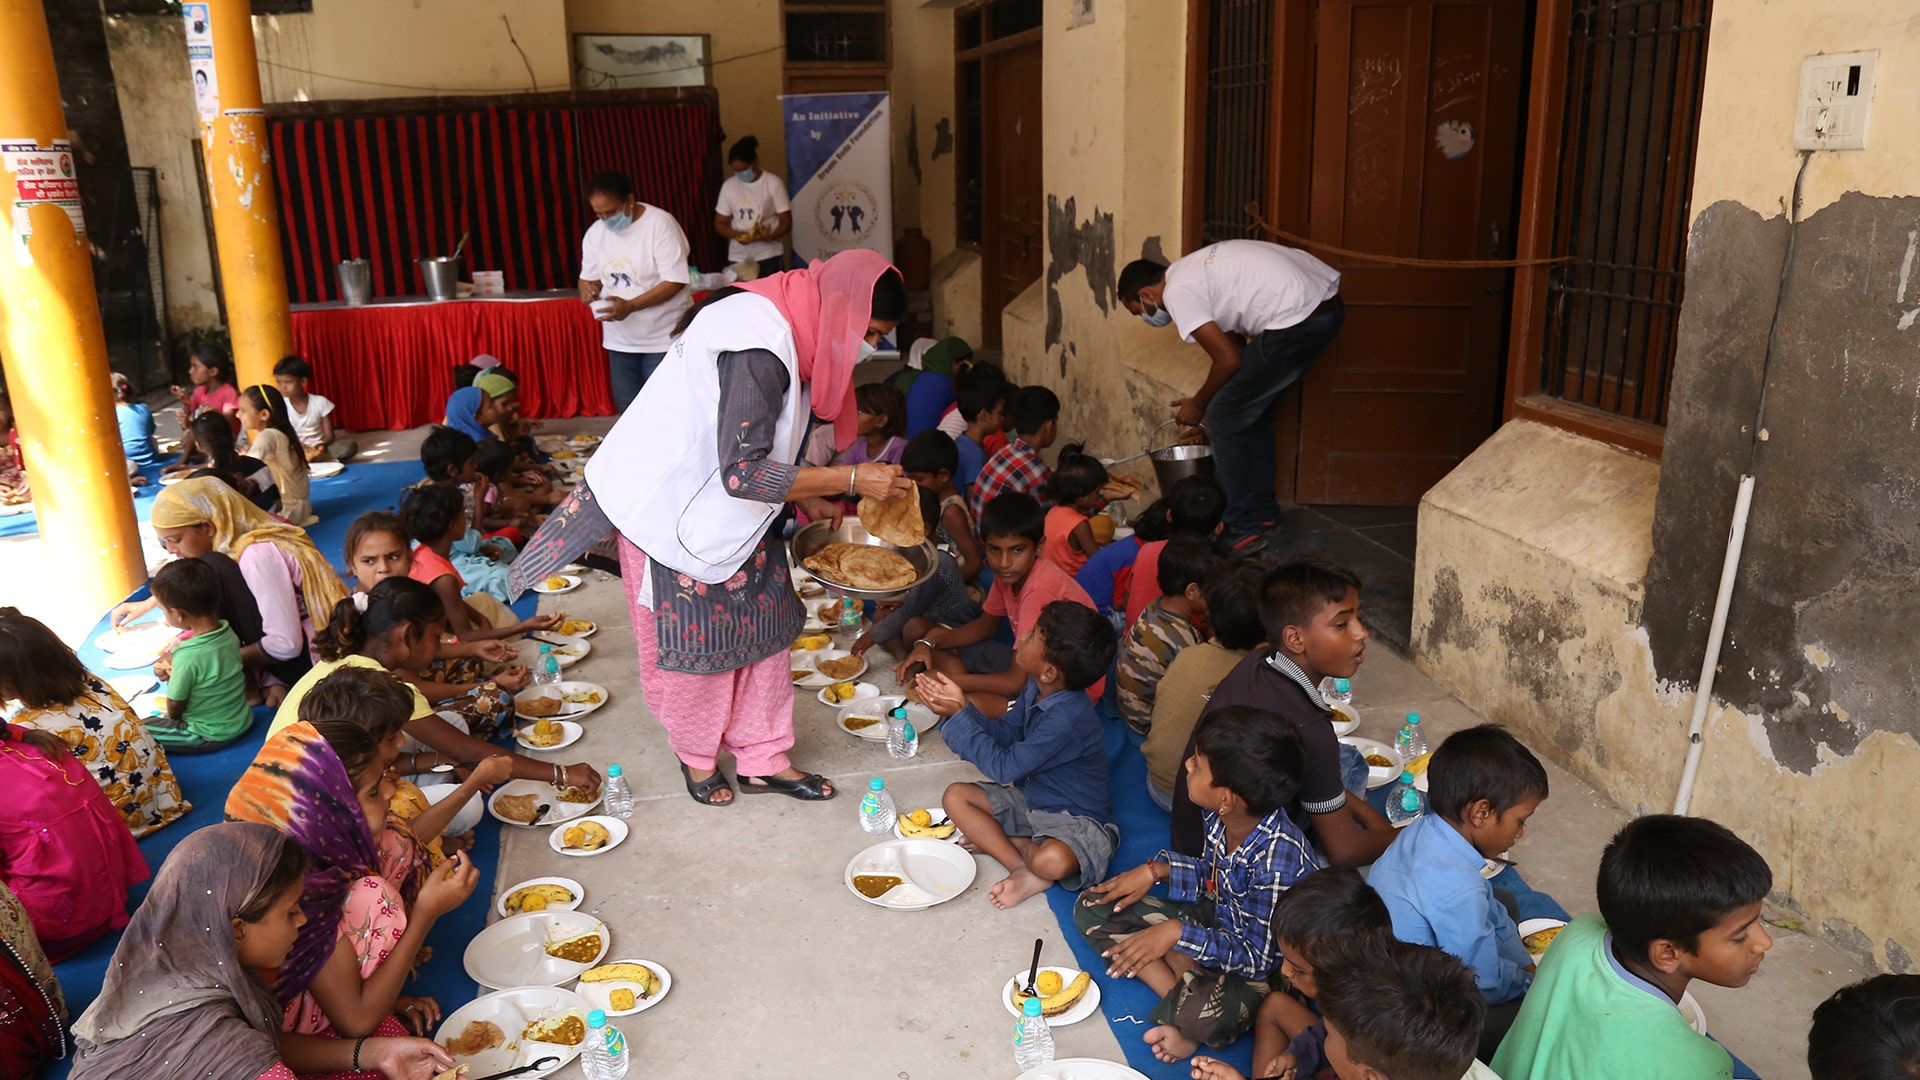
(624,61)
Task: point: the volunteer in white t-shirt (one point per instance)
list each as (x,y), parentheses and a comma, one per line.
(1264,313)
(753,213)
(633,270)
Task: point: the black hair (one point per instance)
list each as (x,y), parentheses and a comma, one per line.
(1080,642)
(36,667)
(394,601)
(188,585)
(1139,274)
(978,388)
(1013,513)
(883,400)
(215,357)
(747,149)
(1077,475)
(1407,1011)
(610,182)
(213,435)
(929,452)
(1294,593)
(1483,762)
(373,521)
(1868,1031)
(289,869)
(1669,877)
(1031,407)
(494,457)
(1195,504)
(6,413)
(1325,905)
(356,709)
(431,511)
(1255,753)
(1232,589)
(294,366)
(210,472)
(889,297)
(274,402)
(1186,560)
(444,451)
(929,509)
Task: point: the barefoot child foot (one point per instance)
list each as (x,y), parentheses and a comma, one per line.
(1169,1045)
(1017,886)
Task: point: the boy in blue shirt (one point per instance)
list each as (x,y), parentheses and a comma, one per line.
(1045,814)
(1483,785)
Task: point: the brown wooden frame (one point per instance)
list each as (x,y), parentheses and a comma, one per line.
(987,47)
(642,95)
(863,72)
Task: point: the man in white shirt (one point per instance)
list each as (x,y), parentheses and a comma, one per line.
(633,271)
(753,212)
(1263,313)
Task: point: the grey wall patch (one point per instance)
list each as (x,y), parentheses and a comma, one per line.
(1072,244)
(1151,250)
(942,138)
(913,142)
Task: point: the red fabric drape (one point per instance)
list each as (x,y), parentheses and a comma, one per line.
(669,151)
(391,366)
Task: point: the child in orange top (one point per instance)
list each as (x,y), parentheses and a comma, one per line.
(432,515)
(1075,488)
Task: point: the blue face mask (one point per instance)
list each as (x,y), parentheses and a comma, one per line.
(746,176)
(1156,316)
(617,222)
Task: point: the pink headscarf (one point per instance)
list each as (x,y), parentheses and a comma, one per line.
(828,305)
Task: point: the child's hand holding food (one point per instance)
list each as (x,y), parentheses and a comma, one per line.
(514,678)
(538,622)
(449,886)
(493,770)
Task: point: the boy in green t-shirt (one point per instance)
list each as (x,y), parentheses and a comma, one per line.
(1679,900)
(206,690)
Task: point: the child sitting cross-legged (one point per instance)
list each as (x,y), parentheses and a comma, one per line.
(1484,785)
(932,460)
(1679,900)
(206,688)
(1394,1011)
(1209,948)
(1075,488)
(1868,1031)
(1166,628)
(311,414)
(940,601)
(1045,813)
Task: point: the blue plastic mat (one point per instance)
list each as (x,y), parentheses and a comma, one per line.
(206,778)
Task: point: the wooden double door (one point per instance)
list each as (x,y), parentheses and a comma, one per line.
(1013,207)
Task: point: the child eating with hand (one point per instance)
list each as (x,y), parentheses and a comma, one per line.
(1074,489)
(1209,948)
(1045,812)
(206,689)
(940,601)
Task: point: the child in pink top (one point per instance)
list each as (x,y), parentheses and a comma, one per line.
(1075,488)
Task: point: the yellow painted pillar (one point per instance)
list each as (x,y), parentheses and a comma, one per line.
(246,215)
(50,336)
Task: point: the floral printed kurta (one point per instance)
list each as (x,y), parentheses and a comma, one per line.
(115,748)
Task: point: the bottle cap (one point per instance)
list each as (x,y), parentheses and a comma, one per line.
(1031,1007)
(613,770)
(900,711)
(545,649)
(1413,718)
(1406,776)
(1342,686)
(876,784)
(597,1018)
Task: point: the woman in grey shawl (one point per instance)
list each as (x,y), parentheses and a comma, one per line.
(184,998)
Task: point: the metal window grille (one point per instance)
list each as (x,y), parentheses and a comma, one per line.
(1632,113)
(1240,65)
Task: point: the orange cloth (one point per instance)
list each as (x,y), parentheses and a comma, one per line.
(1061,521)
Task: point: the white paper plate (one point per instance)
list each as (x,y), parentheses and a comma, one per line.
(939,815)
(1534,926)
(1085,1007)
(814,626)
(512,1011)
(140,636)
(175,478)
(512,952)
(1696,1016)
(562,811)
(562,688)
(465,818)
(803,660)
(320,470)
(935,872)
(924,719)
(865,691)
(572,584)
(132,686)
(1345,722)
(145,705)
(1377,776)
(1082,1069)
(616,832)
(566,883)
(529,650)
(599,994)
(133,660)
(570,733)
(553,635)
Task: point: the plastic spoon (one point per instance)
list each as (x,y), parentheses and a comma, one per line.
(1033,976)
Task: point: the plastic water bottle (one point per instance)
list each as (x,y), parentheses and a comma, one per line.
(902,741)
(1404,802)
(1032,1038)
(1410,741)
(1338,694)
(876,809)
(547,668)
(850,620)
(618,800)
(604,1056)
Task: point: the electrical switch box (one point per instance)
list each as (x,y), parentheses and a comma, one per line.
(1836,96)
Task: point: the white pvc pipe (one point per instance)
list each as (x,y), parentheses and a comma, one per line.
(1703,698)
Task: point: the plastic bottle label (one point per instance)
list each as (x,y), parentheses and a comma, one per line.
(616,1042)
(869,804)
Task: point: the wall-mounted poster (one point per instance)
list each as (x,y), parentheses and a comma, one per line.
(624,61)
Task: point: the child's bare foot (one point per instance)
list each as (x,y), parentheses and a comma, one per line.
(1206,1068)
(1016,887)
(967,845)
(1169,1045)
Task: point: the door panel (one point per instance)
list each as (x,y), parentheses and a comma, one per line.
(1011,235)
(1416,113)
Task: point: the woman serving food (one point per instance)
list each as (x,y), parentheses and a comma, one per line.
(697,476)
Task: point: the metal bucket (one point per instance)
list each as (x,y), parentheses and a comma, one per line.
(356,281)
(1172,464)
(441,276)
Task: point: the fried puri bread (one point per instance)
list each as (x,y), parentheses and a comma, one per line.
(897,521)
(862,566)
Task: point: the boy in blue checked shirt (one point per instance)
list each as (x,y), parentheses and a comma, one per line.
(1208,949)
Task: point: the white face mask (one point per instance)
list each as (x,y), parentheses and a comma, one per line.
(1156,316)
(867,350)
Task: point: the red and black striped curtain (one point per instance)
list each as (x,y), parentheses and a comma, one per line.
(392,189)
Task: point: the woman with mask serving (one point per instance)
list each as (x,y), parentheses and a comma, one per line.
(696,479)
(753,213)
(633,271)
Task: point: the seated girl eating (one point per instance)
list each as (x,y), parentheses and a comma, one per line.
(434,517)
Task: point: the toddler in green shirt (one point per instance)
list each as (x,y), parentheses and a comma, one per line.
(206,689)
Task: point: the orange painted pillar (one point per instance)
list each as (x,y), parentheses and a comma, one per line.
(240,188)
(50,337)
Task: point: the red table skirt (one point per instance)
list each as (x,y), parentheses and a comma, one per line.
(391,365)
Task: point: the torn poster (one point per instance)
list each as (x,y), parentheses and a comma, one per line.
(41,174)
